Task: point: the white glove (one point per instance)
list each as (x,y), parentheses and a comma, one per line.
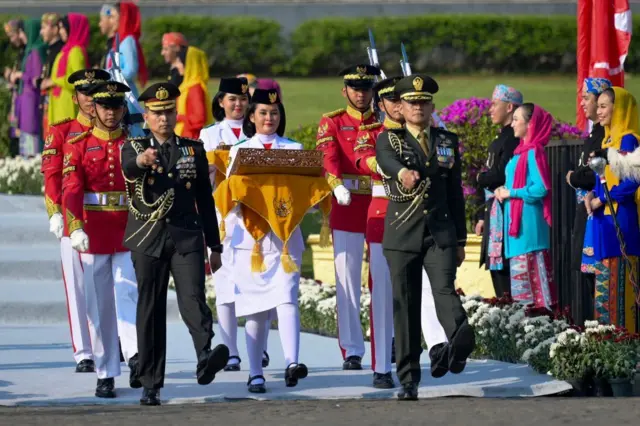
(79,240)
(56,225)
(342,195)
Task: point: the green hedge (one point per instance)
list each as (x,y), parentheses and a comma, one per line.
(435,43)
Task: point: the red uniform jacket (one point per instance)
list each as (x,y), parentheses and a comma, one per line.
(52,155)
(196,115)
(337,135)
(365,155)
(94,189)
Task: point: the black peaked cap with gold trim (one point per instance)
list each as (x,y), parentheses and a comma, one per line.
(360,76)
(267,97)
(386,88)
(84,80)
(109,93)
(234,85)
(417,87)
(160,96)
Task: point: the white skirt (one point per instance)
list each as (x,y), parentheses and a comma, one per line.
(259,292)
(222,278)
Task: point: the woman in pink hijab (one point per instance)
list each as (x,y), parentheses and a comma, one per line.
(527,215)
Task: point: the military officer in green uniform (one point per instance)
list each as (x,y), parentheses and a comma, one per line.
(425,227)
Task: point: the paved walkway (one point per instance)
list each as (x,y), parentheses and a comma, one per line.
(37,368)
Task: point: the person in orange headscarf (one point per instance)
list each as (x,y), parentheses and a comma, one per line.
(190,71)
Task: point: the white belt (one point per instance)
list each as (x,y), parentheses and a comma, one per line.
(105,199)
(378,191)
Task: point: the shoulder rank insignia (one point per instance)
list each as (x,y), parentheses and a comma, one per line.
(322,130)
(370,126)
(64,120)
(334,113)
(79,137)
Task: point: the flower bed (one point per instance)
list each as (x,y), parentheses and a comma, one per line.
(21,176)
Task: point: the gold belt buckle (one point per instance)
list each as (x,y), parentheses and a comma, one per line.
(113,200)
(364,183)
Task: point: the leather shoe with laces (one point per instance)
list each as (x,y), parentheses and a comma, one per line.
(352,363)
(86,366)
(150,397)
(383,381)
(409,392)
(106,388)
(210,362)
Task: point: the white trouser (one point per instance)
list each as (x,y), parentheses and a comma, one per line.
(381,310)
(112,299)
(431,328)
(348,249)
(76,302)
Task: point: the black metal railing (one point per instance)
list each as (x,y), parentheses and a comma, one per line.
(563,156)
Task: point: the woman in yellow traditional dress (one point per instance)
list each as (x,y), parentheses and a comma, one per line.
(615,276)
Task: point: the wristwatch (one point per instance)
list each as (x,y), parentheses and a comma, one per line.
(216,249)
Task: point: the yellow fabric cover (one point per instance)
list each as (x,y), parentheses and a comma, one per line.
(196,71)
(220,159)
(276,203)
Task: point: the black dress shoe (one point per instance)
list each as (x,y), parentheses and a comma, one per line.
(293,373)
(352,363)
(265,359)
(462,344)
(210,362)
(134,372)
(393,350)
(258,387)
(235,366)
(409,392)
(86,366)
(439,355)
(106,388)
(150,397)
(383,381)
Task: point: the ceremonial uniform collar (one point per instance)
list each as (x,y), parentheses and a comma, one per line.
(416,131)
(106,135)
(83,120)
(357,114)
(390,124)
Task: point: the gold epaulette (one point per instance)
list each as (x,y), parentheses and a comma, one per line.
(370,126)
(64,120)
(334,113)
(79,137)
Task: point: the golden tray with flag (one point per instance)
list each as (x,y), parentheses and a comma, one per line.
(252,161)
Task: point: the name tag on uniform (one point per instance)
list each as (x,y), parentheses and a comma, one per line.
(446,157)
(347,128)
(94,148)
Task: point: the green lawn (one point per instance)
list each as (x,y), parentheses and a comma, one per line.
(306,99)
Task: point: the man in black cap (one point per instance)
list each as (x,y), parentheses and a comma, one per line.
(424,228)
(170,208)
(337,134)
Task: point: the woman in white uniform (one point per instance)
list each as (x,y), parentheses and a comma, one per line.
(229,107)
(259,293)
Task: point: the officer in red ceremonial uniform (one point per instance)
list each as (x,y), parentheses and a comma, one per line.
(96,215)
(336,137)
(82,81)
(381,312)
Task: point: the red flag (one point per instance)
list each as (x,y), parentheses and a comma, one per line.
(604,34)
